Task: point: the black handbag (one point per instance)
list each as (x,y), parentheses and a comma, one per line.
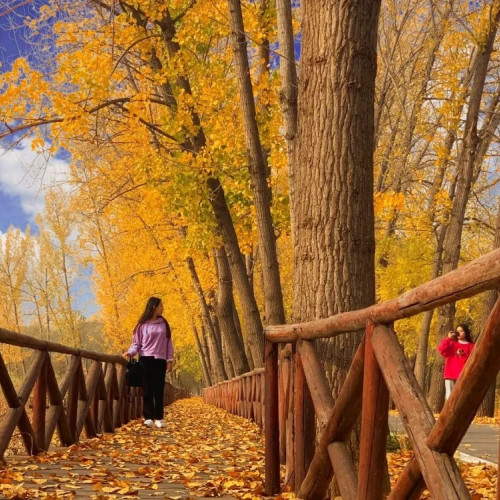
(133,374)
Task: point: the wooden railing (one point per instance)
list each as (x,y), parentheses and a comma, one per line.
(92,395)
(294,378)
(243,395)
(379,370)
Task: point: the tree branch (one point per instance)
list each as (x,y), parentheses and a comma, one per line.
(119,101)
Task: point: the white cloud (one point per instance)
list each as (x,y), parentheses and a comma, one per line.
(27,174)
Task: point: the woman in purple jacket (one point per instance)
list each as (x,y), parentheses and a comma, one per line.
(153,342)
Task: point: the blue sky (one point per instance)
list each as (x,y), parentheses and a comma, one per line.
(24,175)
(11,212)
(18,199)
(12,30)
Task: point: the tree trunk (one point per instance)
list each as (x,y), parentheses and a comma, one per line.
(487,408)
(213,346)
(331,174)
(218,335)
(465,168)
(263,48)
(215,320)
(200,343)
(250,264)
(257,164)
(288,72)
(237,324)
(201,354)
(251,315)
(332,179)
(47,303)
(422,348)
(206,351)
(228,364)
(224,308)
(74,332)
(423,341)
(289,110)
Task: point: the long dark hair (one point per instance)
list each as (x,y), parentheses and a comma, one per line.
(151,305)
(466,330)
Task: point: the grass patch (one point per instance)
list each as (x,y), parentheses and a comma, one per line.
(398,441)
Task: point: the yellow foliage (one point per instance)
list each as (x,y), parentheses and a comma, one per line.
(149,115)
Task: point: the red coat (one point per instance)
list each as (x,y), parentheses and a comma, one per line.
(456,355)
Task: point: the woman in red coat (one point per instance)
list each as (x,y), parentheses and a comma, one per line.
(456,348)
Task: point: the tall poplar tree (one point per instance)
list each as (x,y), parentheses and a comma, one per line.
(332,176)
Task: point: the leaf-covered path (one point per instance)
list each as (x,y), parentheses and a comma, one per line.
(203,451)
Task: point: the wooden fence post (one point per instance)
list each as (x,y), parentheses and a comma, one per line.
(39,401)
(345,472)
(319,389)
(272,481)
(284,385)
(57,414)
(73,398)
(374,427)
(342,419)
(290,428)
(304,422)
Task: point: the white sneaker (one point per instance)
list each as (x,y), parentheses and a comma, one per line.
(160,423)
(148,423)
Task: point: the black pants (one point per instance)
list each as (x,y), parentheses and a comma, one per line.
(153,384)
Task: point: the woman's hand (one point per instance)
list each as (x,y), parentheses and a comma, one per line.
(170,365)
(127,355)
(452,335)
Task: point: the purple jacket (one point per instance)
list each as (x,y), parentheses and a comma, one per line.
(153,338)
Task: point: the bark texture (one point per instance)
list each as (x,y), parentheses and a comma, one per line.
(331,171)
(288,71)
(224,308)
(214,347)
(249,309)
(332,175)
(257,165)
(201,354)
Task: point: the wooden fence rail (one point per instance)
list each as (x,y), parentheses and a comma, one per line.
(241,395)
(379,371)
(92,395)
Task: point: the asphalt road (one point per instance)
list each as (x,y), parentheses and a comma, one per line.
(481,440)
